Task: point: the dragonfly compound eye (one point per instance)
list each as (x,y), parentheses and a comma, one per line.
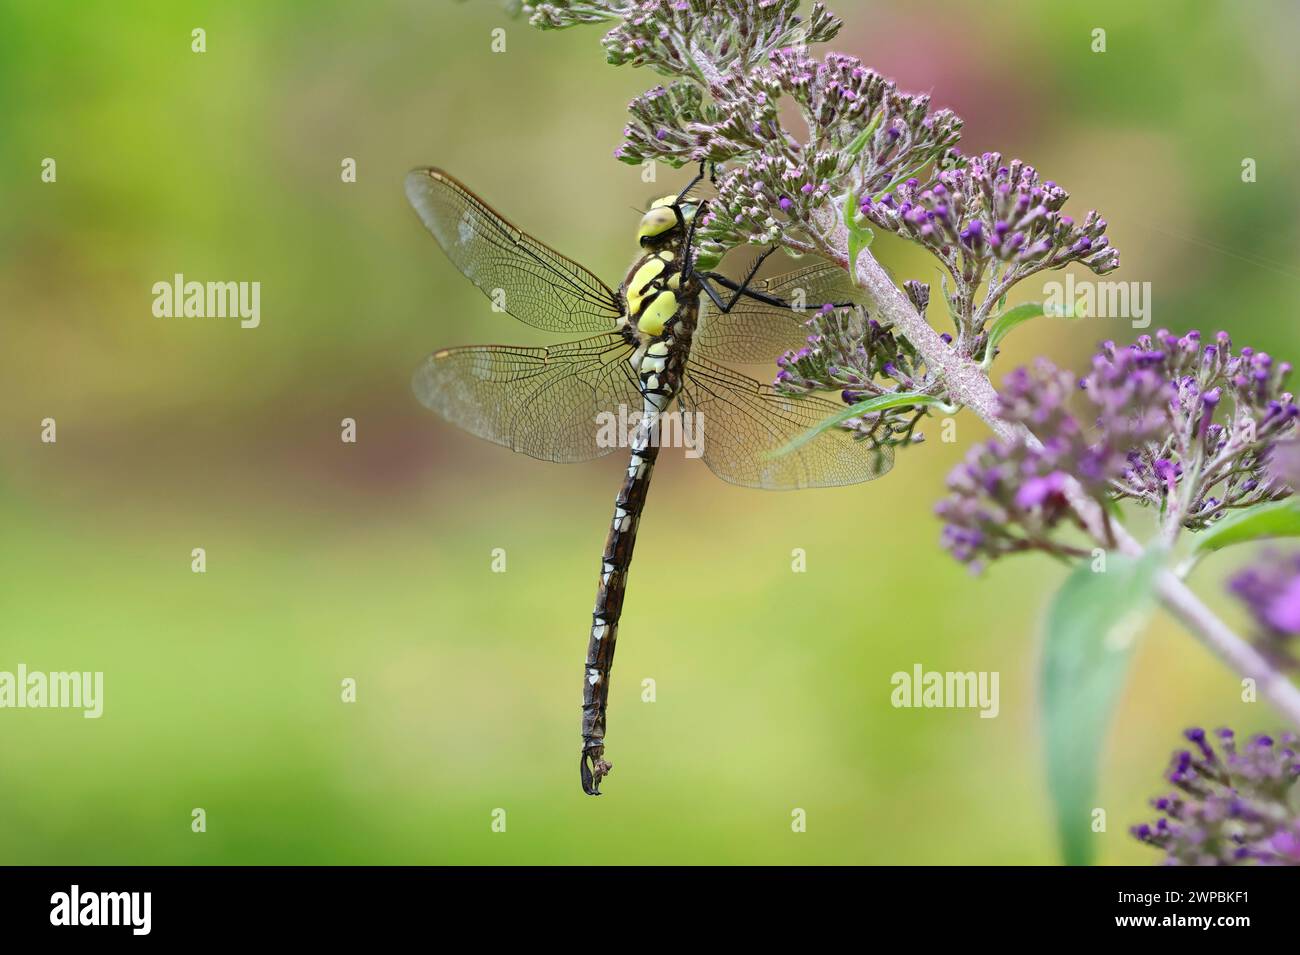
(656,222)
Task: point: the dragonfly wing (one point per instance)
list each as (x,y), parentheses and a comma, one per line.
(543,402)
(755,332)
(530,280)
(743,422)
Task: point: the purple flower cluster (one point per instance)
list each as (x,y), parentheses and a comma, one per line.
(1176,425)
(1225,413)
(1010,496)
(850,353)
(675,124)
(983,209)
(1233,806)
(863,132)
(1002,499)
(1270,589)
(740,33)
(991,224)
(670,123)
(840,98)
(657,33)
(766,198)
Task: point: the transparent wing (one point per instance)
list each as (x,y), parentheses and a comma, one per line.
(542,402)
(758,333)
(744,421)
(539,285)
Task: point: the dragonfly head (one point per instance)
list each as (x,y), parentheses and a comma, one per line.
(665,221)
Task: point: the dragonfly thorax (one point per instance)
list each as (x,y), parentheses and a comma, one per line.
(653,291)
(660,304)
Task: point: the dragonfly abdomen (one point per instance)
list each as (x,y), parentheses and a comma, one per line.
(659,366)
(610,591)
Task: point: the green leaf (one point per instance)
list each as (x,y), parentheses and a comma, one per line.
(903,177)
(1091,629)
(878,403)
(1001,325)
(706,260)
(861,139)
(1270,519)
(860,237)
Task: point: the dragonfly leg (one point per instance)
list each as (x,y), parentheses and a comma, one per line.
(742,289)
(763,297)
(692,184)
(690,232)
(712,293)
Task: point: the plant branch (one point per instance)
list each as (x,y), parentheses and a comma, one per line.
(966,384)
(1271,682)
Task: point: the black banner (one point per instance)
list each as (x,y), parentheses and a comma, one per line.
(234,904)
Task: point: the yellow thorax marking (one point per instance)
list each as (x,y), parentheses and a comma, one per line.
(640,284)
(657,313)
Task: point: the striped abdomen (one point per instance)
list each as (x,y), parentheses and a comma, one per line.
(659,375)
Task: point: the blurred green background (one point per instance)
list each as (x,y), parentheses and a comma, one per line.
(372,561)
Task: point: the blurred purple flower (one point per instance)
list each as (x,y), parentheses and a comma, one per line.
(1284,464)
(1185,428)
(1010,496)
(1270,589)
(1232,806)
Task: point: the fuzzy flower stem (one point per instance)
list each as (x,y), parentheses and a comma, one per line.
(707,71)
(965,382)
(968,385)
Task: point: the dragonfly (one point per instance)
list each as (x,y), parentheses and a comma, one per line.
(655,344)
